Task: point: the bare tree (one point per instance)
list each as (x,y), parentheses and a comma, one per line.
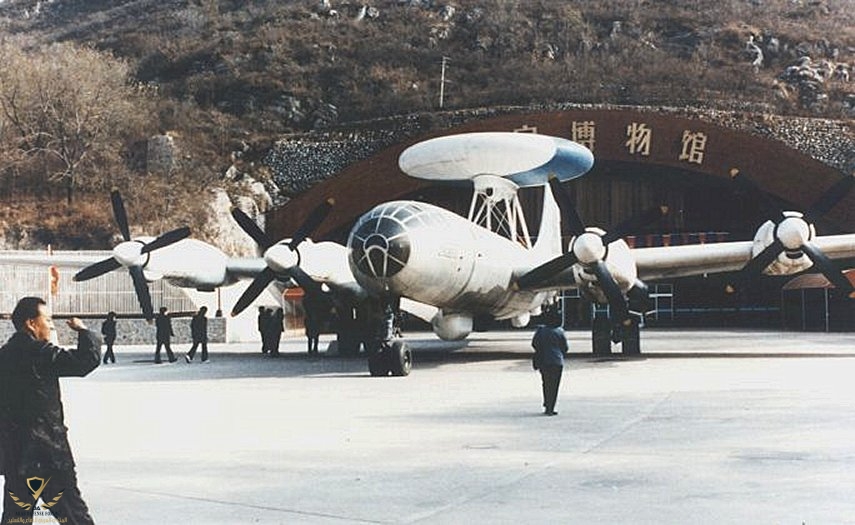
(68,111)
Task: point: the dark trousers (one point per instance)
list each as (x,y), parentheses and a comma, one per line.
(273,342)
(66,508)
(109,355)
(313,343)
(196,344)
(550,377)
(169,354)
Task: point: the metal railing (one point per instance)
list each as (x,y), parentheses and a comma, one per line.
(113,291)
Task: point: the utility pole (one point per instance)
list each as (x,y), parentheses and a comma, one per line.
(445,60)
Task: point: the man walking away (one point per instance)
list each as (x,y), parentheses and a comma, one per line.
(550,346)
(199,333)
(37,457)
(108,330)
(163,324)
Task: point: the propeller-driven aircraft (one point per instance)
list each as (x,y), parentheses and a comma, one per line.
(448,269)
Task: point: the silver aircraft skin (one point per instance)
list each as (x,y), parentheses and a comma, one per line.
(447,268)
(432,256)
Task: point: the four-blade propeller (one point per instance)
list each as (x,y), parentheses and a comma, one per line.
(282,258)
(132,255)
(589,248)
(793,234)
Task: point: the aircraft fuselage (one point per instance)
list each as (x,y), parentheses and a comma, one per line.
(434,256)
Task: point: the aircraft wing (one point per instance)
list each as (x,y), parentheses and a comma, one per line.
(697,259)
(64,260)
(245,267)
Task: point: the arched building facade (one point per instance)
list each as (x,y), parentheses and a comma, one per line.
(643,158)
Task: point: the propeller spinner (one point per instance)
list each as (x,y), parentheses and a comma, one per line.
(132,254)
(282,259)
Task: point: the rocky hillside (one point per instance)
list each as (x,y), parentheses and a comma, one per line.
(231,78)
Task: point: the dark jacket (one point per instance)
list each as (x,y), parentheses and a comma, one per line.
(108,330)
(163,324)
(32,424)
(550,345)
(199,328)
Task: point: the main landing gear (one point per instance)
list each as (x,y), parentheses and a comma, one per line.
(603,333)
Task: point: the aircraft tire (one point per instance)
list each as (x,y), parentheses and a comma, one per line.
(378,364)
(400,358)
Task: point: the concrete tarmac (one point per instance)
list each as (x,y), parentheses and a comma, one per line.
(710,427)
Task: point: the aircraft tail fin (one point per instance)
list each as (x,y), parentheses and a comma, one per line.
(548,242)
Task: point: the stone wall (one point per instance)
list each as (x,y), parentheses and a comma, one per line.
(132,331)
(302,160)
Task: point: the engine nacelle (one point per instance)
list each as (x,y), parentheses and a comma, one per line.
(190,263)
(451,327)
(620,264)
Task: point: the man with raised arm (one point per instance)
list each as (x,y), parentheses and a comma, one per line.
(37,459)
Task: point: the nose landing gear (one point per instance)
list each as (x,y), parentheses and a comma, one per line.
(389,354)
(393,357)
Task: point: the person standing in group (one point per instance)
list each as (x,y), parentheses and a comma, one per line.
(550,346)
(263,320)
(37,460)
(275,327)
(108,330)
(163,325)
(313,331)
(199,333)
(314,308)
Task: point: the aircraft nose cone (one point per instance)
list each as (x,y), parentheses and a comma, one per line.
(381,247)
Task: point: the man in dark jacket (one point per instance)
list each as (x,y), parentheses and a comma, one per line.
(550,346)
(38,461)
(163,324)
(263,321)
(108,330)
(199,333)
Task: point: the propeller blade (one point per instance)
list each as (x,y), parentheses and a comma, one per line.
(166,239)
(120,215)
(547,270)
(248,225)
(97,269)
(617,302)
(763,259)
(830,198)
(569,215)
(769,207)
(141,287)
(309,285)
(828,269)
(634,224)
(254,290)
(311,223)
